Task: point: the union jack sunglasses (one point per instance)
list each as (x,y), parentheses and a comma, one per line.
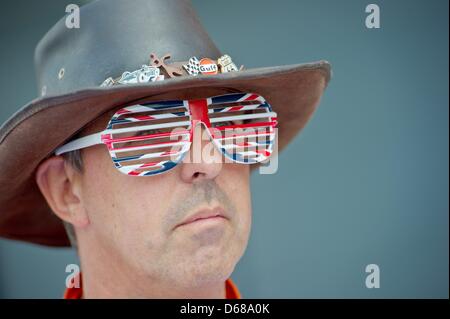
(152,138)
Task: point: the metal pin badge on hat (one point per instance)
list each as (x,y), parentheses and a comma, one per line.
(226,64)
(208,66)
(145,74)
(193,66)
(172,69)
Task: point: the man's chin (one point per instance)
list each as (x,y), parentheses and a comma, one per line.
(205,277)
(214,268)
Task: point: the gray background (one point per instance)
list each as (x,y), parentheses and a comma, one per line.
(367,180)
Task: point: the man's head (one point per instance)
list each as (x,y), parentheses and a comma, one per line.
(139,222)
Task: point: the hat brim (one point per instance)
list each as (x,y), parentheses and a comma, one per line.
(32,133)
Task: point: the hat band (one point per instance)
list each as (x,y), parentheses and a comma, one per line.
(159,69)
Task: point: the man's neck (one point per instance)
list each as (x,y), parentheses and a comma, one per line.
(107,277)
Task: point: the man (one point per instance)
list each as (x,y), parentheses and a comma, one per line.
(115,149)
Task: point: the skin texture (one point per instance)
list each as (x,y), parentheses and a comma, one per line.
(129,239)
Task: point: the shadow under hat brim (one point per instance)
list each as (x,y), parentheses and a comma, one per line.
(37,129)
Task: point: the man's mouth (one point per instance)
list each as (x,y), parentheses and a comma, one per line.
(204,216)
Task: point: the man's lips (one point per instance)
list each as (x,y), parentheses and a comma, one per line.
(204,214)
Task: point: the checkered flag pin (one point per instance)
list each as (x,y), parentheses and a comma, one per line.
(193,67)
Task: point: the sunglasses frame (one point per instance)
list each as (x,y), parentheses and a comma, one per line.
(198,112)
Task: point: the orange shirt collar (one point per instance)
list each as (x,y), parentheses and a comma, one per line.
(231,291)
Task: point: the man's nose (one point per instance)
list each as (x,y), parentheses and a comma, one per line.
(203,161)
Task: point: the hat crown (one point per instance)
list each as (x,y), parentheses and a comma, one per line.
(115,36)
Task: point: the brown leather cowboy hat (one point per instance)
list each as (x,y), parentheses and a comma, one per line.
(117,36)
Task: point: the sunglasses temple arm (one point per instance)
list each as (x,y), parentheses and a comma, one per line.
(80,143)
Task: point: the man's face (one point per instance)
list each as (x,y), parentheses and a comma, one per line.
(141,221)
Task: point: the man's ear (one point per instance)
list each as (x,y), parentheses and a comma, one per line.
(61,186)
